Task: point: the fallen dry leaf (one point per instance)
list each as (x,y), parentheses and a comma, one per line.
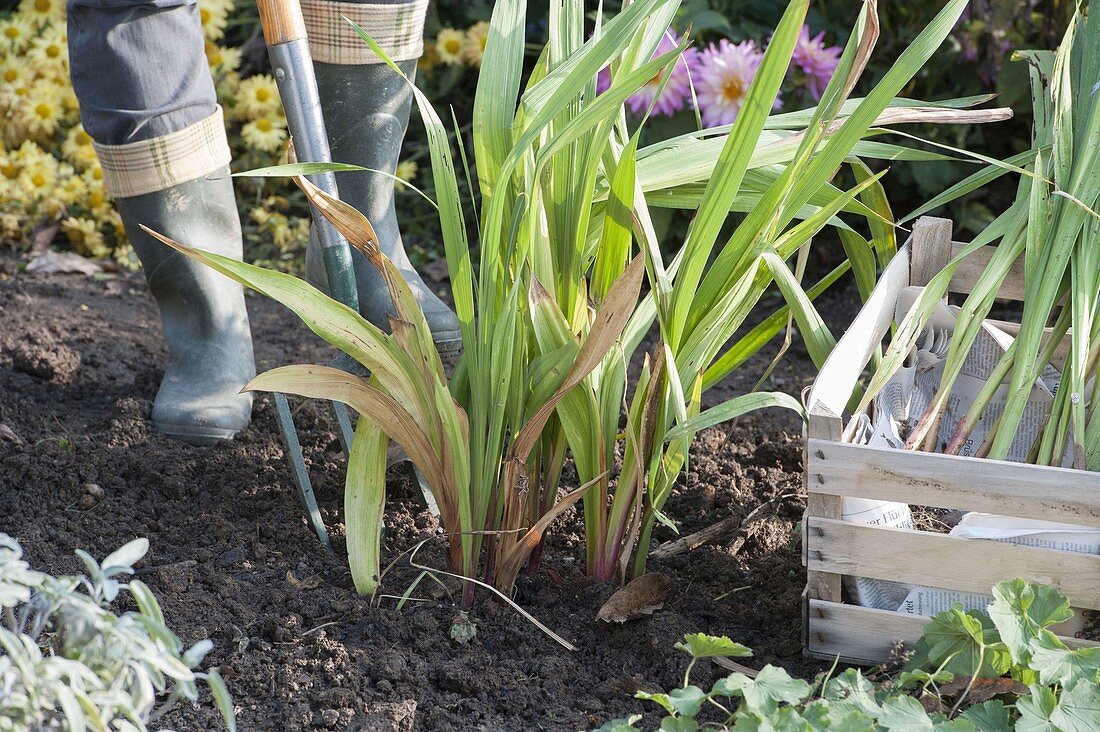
(983,689)
(640,597)
(308,583)
(7,434)
(63,263)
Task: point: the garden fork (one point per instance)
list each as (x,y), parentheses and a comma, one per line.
(285,35)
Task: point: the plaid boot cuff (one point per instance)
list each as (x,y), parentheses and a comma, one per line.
(137,168)
(397,27)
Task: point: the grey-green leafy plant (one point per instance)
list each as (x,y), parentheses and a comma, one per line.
(1029,680)
(68,662)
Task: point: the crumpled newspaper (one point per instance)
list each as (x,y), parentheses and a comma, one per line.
(904,399)
(896,411)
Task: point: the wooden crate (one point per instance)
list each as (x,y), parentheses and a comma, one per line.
(833,548)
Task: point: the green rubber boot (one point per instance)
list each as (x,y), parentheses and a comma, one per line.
(203,312)
(366,110)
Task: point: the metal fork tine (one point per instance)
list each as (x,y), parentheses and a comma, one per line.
(288,49)
(298,469)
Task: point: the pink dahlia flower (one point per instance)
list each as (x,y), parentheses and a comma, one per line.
(677,91)
(725,73)
(817,61)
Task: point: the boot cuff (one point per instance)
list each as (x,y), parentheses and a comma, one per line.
(397,27)
(147,166)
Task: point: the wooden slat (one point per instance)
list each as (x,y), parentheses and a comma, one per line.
(930,249)
(951,481)
(949,562)
(970,269)
(866,636)
(821,585)
(830,394)
(857,634)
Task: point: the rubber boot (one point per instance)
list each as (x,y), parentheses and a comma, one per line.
(202,311)
(366,110)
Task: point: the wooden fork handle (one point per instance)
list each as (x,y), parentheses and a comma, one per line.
(281,21)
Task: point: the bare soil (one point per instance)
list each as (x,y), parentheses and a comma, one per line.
(233,560)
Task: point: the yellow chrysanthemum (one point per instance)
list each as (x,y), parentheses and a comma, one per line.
(42,12)
(10,167)
(85,237)
(214,15)
(257,96)
(41,110)
(265,134)
(98,203)
(473,48)
(39,177)
(93,175)
(406,171)
(282,234)
(30,152)
(15,34)
(50,51)
(73,190)
(78,149)
(13,98)
(69,103)
(276,202)
(125,257)
(14,71)
(11,129)
(449,44)
(223,58)
(110,220)
(301,231)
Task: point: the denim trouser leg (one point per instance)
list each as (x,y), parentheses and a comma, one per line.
(139,66)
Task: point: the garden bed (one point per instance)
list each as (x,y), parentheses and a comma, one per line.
(233,560)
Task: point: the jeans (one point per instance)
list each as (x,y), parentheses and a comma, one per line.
(139,67)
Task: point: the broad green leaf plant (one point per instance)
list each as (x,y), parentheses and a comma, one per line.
(994,671)
(68,662)
(570,283)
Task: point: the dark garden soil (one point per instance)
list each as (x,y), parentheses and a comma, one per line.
(233,560)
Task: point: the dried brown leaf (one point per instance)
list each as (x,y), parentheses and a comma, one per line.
(308,583)
(7,434)
(641,596)
(982,689)
(63,263)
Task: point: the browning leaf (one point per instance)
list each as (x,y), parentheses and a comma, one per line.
(983,689)
(641,596)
